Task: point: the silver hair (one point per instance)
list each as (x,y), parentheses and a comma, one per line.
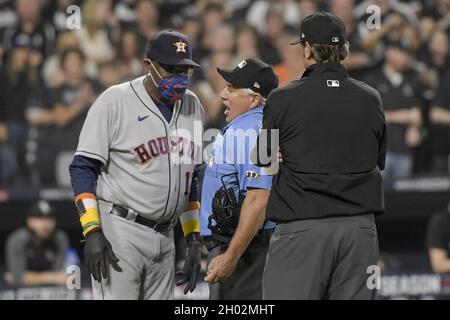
(251,93)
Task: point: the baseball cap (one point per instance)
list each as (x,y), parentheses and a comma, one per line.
(322,28)
(171,48)
(252,74)
(41,209)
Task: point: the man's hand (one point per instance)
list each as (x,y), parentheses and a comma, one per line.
(394,21)
(59,278)
(250,222)
(280,156)
(35,58)
(3,132)
(86,96)
(413,136)
(221,267)
(98,255)
(191,267)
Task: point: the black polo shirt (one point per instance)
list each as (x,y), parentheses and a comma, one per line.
(332,137)
(443,94)
(25,252)
(438,232)
(396,97)
(441,141)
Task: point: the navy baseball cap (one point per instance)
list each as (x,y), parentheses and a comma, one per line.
(322,28)
(252,74)
(171,48)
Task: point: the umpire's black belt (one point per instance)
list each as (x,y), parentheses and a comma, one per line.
(155,225)
(262,239)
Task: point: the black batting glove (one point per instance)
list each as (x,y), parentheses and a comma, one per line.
(98,254)
(192,261)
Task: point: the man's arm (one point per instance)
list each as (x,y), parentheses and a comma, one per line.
(4,135)
(440,263)
(17,265)
(190,218)
(440,115)
(98,252)
(84,172)
(16,262)
(440,108)
(412,119)
(407,117)
(436,242)
(371,40)
(63,115)
(190,223)
(250,221)
(32,278)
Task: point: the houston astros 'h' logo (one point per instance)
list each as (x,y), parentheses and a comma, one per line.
(181,46)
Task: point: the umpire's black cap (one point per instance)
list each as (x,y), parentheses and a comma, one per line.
(322,28)
(252,74)
(171,48)
(42,209)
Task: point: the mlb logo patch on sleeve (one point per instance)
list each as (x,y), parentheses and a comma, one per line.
(333,83)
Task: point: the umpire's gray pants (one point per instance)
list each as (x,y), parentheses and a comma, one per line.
(321,259)
(147,260)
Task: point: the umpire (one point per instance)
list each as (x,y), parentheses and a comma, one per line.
(328,188)
(232,184)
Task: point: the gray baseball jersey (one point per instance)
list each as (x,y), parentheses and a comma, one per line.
(148,162)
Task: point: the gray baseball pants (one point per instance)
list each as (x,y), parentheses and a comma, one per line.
(327,258)
(147,260)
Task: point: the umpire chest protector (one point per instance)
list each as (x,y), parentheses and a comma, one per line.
(226,209)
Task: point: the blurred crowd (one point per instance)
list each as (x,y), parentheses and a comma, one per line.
(50,75)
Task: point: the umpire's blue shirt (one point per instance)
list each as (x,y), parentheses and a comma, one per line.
(231,154)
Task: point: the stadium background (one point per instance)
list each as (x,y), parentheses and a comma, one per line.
(47,71)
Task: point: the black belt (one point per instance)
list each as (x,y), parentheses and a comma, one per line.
(155,225)
(260,240)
